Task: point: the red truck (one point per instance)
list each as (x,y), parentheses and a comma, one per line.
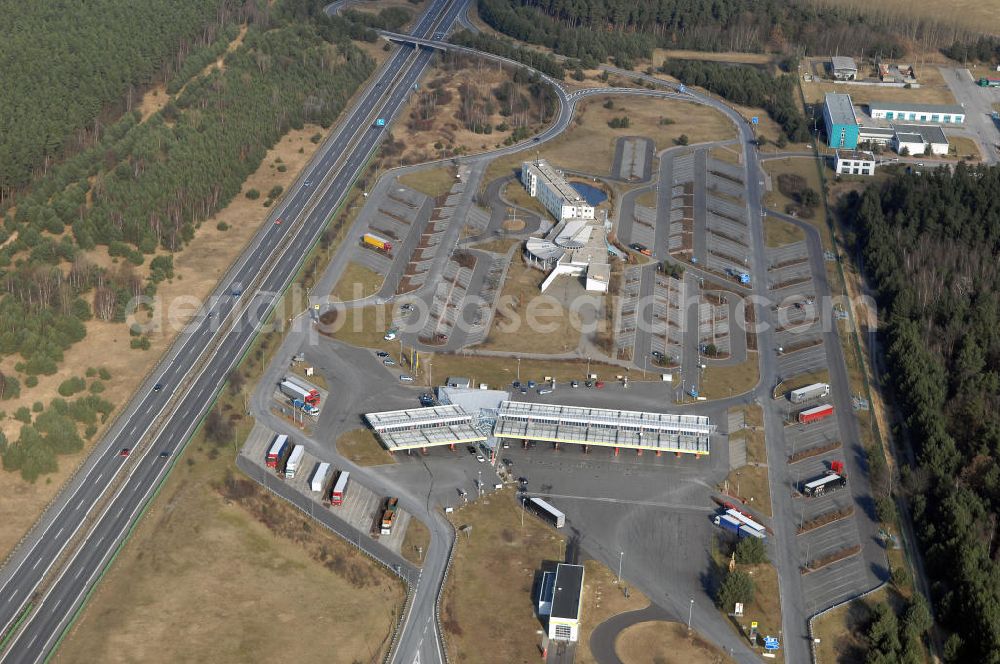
(815,414)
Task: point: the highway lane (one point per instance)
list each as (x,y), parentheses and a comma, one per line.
(146,470)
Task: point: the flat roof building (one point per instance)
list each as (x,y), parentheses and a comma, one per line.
(841,121)
(577,245)
(852,162)
(935,113)
(916,139)
(567,593)
(876,135)
(843,69)
(604,427)
(557,195)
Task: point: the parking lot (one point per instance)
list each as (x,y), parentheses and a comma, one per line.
(361,507)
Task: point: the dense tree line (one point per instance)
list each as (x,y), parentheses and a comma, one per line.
(984,49)
(891,640)
(65,63)
(543,62)
(747,86)
(931,246)
(595,30)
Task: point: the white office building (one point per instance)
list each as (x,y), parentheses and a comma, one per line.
(854,162)
(550,187)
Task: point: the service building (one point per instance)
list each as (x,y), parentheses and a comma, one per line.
(843,69)
(936,113)
(916,139)
(564,589)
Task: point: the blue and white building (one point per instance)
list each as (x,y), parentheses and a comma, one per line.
(900,112)
(841,122)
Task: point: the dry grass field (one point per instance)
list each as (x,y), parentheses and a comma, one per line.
(657,642)
(434,182)
(526,318)
(720,381)
(778,232)
(589,144)
(356,282)
(932,90)
(361,447)
(219,569)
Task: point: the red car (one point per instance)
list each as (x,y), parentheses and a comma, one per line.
(278,221)
(599,384)
(125,452)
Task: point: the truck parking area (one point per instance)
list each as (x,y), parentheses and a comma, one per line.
(362,509)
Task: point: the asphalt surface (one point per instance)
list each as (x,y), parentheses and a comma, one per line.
(273,257)
(978,109)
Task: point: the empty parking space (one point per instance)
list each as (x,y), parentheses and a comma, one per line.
(832,585)
(802,361)
(791,273)
(787,254)
(730,228)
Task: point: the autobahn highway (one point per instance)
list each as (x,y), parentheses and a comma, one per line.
(204,354)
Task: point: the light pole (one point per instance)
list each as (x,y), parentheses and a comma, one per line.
(621,554)
(690,612)
(588,367)
(518,370)
(479,484)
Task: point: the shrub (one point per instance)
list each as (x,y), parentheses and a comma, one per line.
(316,138)
(31,381)
(682,139)
(252,194)
(96,387)
(222,226)
(37,407)
(750,551)
(275,191)
(71,386)
(141,343)
(104,374)
(737,587)
(22,414)
(90,372)
(10,388)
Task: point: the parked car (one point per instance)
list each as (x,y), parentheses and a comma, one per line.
(589,383)
(532,385)
(471,448)
(480,458)
(388,362)
(406,378)
(542,391)
(381,353)
(506,444)
(516,384)
(574,383)
(125,451)
(599,384)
